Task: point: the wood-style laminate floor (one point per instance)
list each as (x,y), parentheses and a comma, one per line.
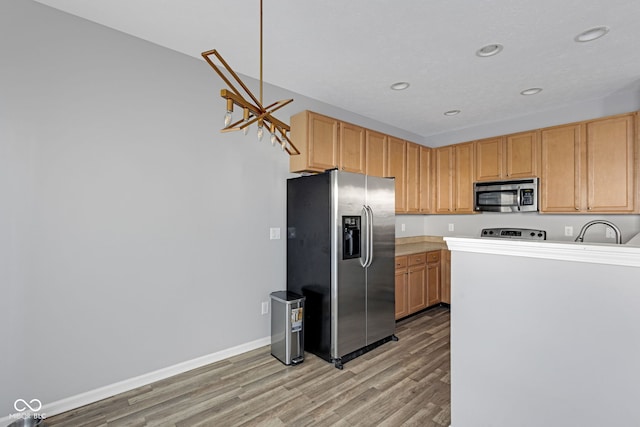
(397,384)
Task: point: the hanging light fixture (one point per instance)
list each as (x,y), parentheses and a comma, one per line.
(253,109)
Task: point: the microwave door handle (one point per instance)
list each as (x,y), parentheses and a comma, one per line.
(519,198)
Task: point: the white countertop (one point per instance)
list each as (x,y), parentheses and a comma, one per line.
(602,253)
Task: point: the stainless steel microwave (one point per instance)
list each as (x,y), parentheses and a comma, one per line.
(516,195)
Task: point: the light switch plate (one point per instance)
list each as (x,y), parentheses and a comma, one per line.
(568,230)
(274,233)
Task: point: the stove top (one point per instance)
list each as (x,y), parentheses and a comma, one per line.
(514,233)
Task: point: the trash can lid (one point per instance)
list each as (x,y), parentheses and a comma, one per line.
(285,296)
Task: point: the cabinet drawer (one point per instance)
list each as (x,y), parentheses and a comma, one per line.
(433,256)
(401,262)
(416,259)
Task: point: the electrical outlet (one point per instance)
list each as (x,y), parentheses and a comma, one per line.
(265,307)
(568,230)
(402,227)
(274,233)
(451,227)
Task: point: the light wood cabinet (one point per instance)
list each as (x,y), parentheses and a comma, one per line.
(316,137)
(610,165)
(561,182)
(413,178)
(416,282)
(454,173)
(433,278)
(445,278)
(326,143)
(376,153)
(351,148)
(507,157)
(426,180)
(589,167)
(401,286)
(397,168)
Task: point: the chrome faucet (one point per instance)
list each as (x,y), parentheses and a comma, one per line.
(580,237)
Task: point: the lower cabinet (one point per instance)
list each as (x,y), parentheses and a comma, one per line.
(445,283)
(417,282)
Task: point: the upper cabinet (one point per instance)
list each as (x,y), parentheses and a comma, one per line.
(589,167)
(316,137)
(426,180)
(376,153)
(326,143)
(351,148)
(586,167)
(507,157)
(397,168)
(454,173)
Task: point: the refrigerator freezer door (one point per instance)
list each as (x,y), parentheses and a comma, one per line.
(348,284)
(380,197)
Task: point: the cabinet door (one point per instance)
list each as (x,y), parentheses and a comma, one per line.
(433,282)
(401,293)
(316,136)
(397,168)
(561,178)
(413,177)
(376,154)
(521,155)
(352,148)
(610,168)
(444,179)
(464,173)
(445,277)
(416,285)
(488,157)
(425,180)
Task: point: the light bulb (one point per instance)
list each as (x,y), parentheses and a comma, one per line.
(283,145)
(245,116)
(260,132)
(227,116)
(273,139)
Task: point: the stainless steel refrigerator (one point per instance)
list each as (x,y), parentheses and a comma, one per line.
(340,256)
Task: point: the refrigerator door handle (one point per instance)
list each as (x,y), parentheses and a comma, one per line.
(369,236)
(365,233)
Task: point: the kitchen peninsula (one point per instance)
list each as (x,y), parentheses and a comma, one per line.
(544,333)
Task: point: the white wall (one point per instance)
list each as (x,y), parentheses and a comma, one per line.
(133,235)
(556,347)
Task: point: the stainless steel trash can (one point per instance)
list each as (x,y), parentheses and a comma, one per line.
(287,328)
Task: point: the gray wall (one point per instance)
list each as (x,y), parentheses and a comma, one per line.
(556,347)
(133,235)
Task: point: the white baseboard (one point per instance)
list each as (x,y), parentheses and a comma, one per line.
(91,396)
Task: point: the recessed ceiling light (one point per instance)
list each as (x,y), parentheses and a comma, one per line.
(591,34)
(531,91)
(451,112)
(489,50)
(400,86)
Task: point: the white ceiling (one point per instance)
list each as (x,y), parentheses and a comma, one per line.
(348,52)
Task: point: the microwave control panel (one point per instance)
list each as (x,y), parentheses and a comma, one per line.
(528,196)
